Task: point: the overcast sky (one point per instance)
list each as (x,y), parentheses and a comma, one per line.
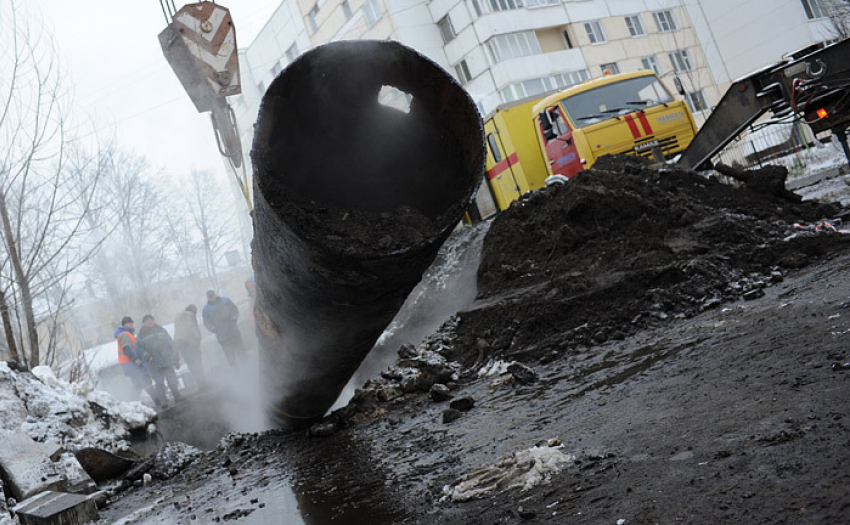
(123,84)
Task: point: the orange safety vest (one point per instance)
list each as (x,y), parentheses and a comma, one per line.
(123,358)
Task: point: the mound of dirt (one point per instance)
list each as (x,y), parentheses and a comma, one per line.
(625,245)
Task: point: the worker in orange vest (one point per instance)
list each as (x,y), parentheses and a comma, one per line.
(130,361)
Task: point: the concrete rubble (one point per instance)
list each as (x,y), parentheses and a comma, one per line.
(26,469)
(56,508)
(45,421)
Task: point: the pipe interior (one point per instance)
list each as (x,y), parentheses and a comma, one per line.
(324,136)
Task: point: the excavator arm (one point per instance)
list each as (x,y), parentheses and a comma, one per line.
(813,84)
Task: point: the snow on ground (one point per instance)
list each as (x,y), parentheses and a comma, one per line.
(523,470)
(820,157)
(75,415)
(829,190)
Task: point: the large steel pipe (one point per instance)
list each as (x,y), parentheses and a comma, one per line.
(353,198)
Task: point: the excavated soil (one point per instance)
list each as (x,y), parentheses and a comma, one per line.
(626,245)
(679,340)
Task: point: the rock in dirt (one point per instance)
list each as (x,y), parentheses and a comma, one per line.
(522,373)
(173,458)
(464,404)
(451,414)
(388,393)
(440,392)
(769,180)
(102,465)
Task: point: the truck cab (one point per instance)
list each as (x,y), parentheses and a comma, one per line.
(626,113)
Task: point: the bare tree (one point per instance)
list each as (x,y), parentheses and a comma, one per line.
(43,202)
(139,252)
(214,219)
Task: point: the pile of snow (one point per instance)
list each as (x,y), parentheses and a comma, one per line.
(523,470)
(75,415)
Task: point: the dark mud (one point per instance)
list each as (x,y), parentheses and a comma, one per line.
(675,341)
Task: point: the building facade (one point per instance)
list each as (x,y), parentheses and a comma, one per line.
(504,50)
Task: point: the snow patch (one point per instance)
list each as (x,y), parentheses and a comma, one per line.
(73,414)
(497,367)
(522,470)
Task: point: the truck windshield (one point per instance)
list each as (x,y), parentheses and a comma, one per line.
(619,98)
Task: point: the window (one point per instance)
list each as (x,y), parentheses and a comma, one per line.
(535,86)
(564,80)
(311,17)
(462,72)
(554,123)
(504,5)
(815,9)
(665,21)
(476,5)
(346,10)
(539,3)
(292,53)
(565,32)
(635,25)
(372,11)
(261,86)
(513,45)
(594,32)
(447,31)
(611,67)
(614,99)
(651,63)
(494,148)
(696,101)
(681,61)
(276,68)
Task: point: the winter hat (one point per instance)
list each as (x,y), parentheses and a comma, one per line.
(192,308)
(126,319)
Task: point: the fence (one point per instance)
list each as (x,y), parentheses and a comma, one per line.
(791,144)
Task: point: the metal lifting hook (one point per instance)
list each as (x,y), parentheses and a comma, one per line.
(821,71)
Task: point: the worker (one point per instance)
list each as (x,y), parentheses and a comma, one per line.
(130,360)
(157,352)
(187,342)
(220,315)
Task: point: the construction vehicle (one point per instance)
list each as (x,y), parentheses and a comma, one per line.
(812,85)
(626,113)
(514,163)
(199,44)
(565,132)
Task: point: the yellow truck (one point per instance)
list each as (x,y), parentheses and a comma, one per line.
(515,163)
(565,132)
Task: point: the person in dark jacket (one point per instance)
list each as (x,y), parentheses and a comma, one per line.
(130,360)
(220,315)
(157,352)
(187,341)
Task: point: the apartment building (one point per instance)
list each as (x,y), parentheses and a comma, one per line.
(504,50)
(739,37)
